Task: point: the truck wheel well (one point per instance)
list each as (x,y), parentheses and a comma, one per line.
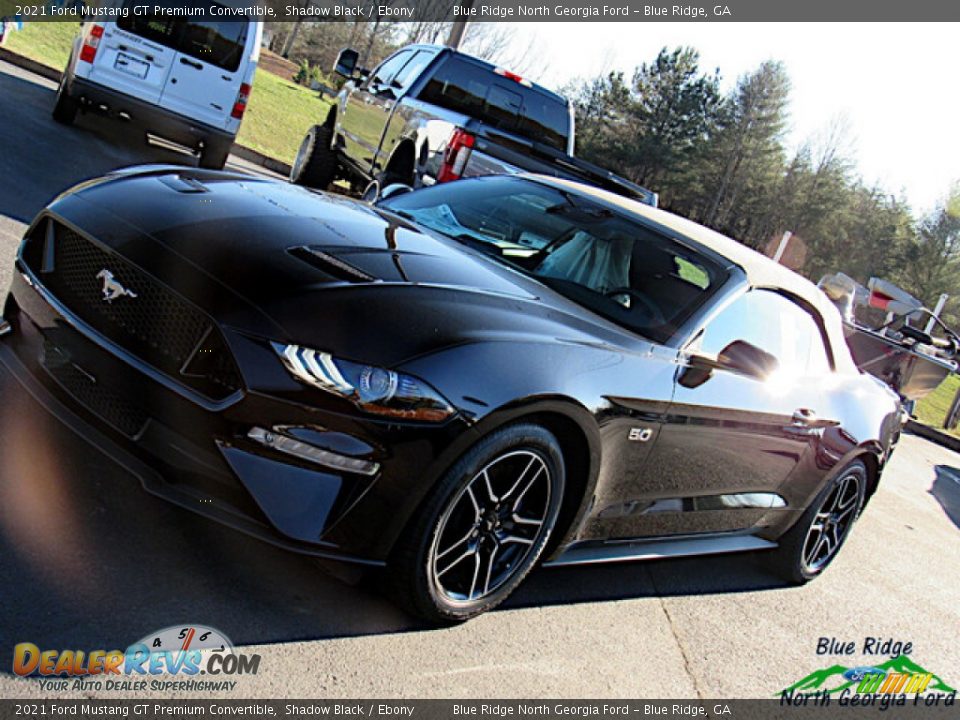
(401,165)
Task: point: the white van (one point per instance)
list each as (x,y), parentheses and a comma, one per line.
(185,79)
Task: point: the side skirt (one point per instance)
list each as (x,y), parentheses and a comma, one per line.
(587,553)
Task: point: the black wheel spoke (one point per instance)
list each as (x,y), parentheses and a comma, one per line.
(831,523)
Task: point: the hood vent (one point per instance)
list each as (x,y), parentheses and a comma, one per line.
(183,183)
(331,265)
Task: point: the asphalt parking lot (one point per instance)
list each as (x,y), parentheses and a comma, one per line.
(89,561)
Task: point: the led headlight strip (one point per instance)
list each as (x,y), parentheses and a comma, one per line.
(372,389)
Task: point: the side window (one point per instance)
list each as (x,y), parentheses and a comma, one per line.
(411,71)
(773,323)
(388,68)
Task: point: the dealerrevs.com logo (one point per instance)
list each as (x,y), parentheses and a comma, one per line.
(181,651)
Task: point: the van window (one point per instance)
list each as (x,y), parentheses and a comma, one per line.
(217,42)
(474,89)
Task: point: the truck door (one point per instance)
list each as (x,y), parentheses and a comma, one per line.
(368,110)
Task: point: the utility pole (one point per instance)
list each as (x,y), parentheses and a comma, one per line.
(459,26)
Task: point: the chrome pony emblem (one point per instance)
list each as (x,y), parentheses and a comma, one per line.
(112,289)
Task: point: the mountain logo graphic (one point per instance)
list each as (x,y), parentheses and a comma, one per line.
(900,673)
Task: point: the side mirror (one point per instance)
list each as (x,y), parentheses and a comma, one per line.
(393,190)
(742,357)
(373,193)
(739,357)
(346,62)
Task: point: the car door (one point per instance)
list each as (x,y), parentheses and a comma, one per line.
(207,70)
(368,110)
(135,56)
(730,439)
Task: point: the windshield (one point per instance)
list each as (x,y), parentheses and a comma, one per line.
(600,258)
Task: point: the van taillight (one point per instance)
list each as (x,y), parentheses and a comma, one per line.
(240,106)
(456,157)
(89,50)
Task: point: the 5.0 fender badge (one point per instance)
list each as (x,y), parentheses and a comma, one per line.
(640,434)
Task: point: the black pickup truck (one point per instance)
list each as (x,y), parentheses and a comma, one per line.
(430,114)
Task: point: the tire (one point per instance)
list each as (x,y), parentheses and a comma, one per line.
(214,155)
(66,107)
(839,504)
(486,524)
(316,162)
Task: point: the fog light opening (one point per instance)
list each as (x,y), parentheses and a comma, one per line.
(5,327)
(304,451)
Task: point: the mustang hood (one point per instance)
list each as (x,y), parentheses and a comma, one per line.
(278,261)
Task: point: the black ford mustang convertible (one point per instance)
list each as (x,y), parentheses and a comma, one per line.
(455,383)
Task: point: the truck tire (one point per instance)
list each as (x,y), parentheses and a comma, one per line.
(65,109)
(316,162)
(214,155)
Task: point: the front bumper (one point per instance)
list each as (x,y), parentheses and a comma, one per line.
(197,454)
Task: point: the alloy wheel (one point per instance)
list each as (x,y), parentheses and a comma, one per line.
(832,523)
(490,527)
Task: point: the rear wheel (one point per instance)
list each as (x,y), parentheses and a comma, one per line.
(483,529)
(65,109)
(316,162)
(811,545)
(214,155)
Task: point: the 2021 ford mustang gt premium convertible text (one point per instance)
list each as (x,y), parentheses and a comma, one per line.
(455,384)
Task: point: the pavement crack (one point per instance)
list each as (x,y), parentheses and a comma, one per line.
(673,630)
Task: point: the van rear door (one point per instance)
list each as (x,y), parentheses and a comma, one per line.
(132,60)
(211,63)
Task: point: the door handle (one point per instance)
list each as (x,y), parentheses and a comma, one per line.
(191,63)
(805,423)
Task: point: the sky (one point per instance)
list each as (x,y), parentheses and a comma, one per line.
(896,86)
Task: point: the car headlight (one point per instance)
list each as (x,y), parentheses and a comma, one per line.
(372,389)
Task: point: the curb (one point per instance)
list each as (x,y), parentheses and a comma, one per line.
(932,434)
(240,151)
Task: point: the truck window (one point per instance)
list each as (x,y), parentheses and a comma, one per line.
(219,43)
(411,71)
(389,67)
(476,90)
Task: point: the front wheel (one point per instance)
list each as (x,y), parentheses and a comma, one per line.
(812,544)
(484,527)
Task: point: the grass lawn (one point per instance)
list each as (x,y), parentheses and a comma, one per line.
(279,114)
(933,408)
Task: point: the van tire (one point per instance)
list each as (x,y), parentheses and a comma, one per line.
(316,163)
(214,155)
(65,109)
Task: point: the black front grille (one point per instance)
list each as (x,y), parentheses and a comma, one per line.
(135,311)
(114,409)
